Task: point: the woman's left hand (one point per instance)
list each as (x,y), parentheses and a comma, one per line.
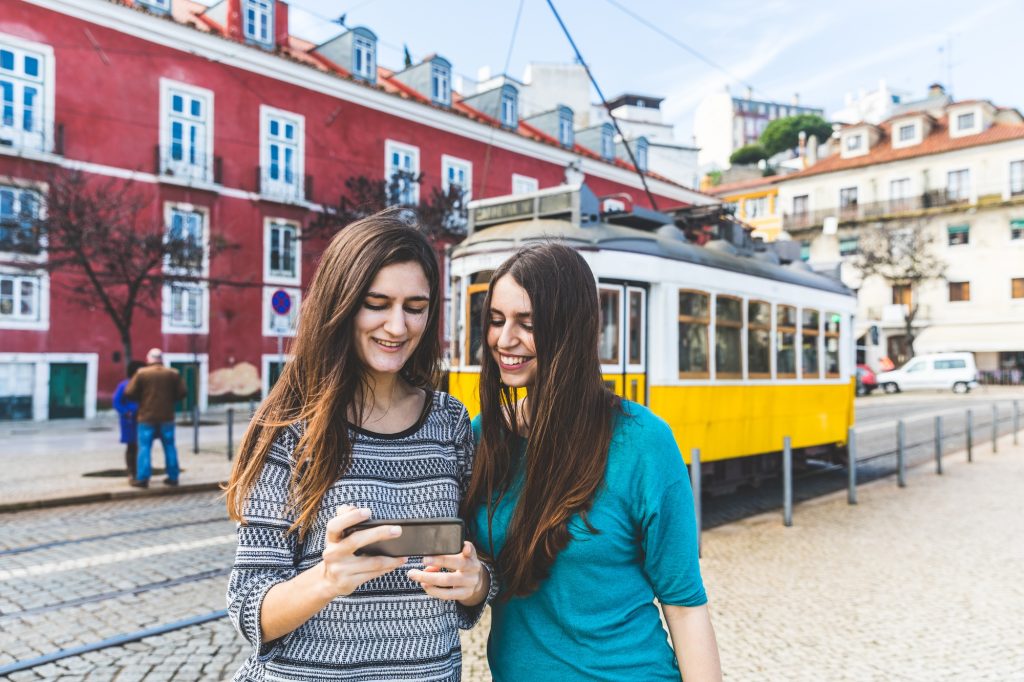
(466,580)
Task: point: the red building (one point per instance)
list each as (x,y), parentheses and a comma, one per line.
(234,129)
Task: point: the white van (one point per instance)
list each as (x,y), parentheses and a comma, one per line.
(954,371)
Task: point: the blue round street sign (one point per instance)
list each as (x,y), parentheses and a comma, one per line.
(281,302)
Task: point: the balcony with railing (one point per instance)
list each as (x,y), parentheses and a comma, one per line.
(283,185)
(875,210)
(48,139)
(189,166)
(896,313)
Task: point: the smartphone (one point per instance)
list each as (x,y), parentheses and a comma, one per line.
(420,537)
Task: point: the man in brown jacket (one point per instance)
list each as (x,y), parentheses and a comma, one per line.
(156,388)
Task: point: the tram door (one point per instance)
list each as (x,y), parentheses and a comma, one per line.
(623,345)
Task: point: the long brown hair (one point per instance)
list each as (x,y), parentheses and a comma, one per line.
(571,415)
(324,381)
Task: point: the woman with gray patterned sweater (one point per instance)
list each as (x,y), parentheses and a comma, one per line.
(352,431)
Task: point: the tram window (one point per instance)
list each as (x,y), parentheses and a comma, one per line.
(610,334)
(759,339)
(832,344)
(456,332)
(728,335)
(785,341)
(636,322)
(693,334)
(809,344)
(476,294)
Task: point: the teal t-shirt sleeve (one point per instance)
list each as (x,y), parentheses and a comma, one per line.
(668,523)
(477,428)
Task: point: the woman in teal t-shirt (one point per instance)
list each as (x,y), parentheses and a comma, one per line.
(581,498)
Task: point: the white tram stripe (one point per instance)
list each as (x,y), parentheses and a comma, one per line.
(113,557)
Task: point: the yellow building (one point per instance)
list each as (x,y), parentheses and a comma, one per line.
(757,204)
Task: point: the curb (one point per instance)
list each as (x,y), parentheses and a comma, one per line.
(116,495)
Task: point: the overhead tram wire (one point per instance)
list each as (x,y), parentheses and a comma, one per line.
(504,72)
(615,122)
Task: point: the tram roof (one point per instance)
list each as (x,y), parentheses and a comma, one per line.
(516,234)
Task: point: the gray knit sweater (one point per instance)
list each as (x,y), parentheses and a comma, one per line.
(389,628)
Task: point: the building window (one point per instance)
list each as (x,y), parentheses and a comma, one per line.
(565,136)
(402,169)
(187,150)
(185,303)
(785,342)
(756,208)
(281,246)
(959,234)
(509,112)
(899,194)
(641,154)
(19,298)
(1017,229)
(907,132)
(693,334)
(1017,287)
(1016,178)
(809,344)
(607,142)
(19,220)
(759,339)
(902,294)
(965,121)
(281,153)
(522,184)
(848,246)
(832,328)
(186,309)
(457,183)
(958,185)
(728,335)
(848,197)
(258,20)
(185,230)
(800,205)
(364,58)
(440,83)
(959,291)
(24,96)
(853,142)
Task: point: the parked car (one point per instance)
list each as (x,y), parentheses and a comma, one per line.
(955,371)
(866,380)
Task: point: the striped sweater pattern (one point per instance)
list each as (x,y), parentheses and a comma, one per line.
(389,628)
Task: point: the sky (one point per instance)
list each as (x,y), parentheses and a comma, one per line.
(821,50)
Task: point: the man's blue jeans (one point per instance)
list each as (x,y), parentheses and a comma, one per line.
(147,434)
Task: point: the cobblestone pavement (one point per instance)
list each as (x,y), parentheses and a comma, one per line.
(915,584)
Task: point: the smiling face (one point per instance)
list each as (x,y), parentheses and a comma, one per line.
(510,333)
(392,317)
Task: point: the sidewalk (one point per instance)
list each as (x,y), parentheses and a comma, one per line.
(45,463)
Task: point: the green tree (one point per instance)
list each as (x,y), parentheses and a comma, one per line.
(784,133)
(748,155)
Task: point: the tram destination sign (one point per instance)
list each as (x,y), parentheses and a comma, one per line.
(504,212)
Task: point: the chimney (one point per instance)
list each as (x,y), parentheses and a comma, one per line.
(233,21)
(796,99)
(750,92)
(801,145)
(936,90)
(812,151)
(281,23)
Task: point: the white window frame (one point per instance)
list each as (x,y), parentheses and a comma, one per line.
(607,144)
(269,276)
(170,208)
(965,190)
(440,84)
(263,20)
(203,171)
(454,162)
(266,361)
(915,134)
(854,142)
(524,184)
(41,279)
(761,202)
(642,149)
(364,50)
(509,108)
(280,188)
(270,317)
(40,193)
(168,325)
(1017,190)
(41,378)
(392,147)
(42,138)
(856,197)
(565,131)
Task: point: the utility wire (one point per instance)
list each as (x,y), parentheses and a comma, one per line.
(615,122)
(490,137)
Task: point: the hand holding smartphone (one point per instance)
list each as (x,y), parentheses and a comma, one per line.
(420,537)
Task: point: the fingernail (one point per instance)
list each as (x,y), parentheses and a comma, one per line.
(395,530)
(365,513)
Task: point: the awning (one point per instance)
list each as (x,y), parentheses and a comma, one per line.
(976,338)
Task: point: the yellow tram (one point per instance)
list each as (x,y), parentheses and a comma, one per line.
(734,351)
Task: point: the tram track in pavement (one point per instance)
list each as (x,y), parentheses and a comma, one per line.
(105,536)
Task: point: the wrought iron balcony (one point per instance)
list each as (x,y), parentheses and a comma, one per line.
(192,166)
(286,188)
(40,141)
(876,210)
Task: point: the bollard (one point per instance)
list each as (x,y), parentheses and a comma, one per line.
(1017,421)
(995,428)
(970,436)
(195,428)
(787,482)
(938,445)
(901,458)
(231,433)
(252,408)
(851,466)
(695,472)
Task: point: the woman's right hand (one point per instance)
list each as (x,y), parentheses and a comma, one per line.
(343,569)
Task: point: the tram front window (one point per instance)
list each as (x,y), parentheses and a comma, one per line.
(785,342)
(609,343)
(759,349)
(811,359)
(693,334)
(832,344)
